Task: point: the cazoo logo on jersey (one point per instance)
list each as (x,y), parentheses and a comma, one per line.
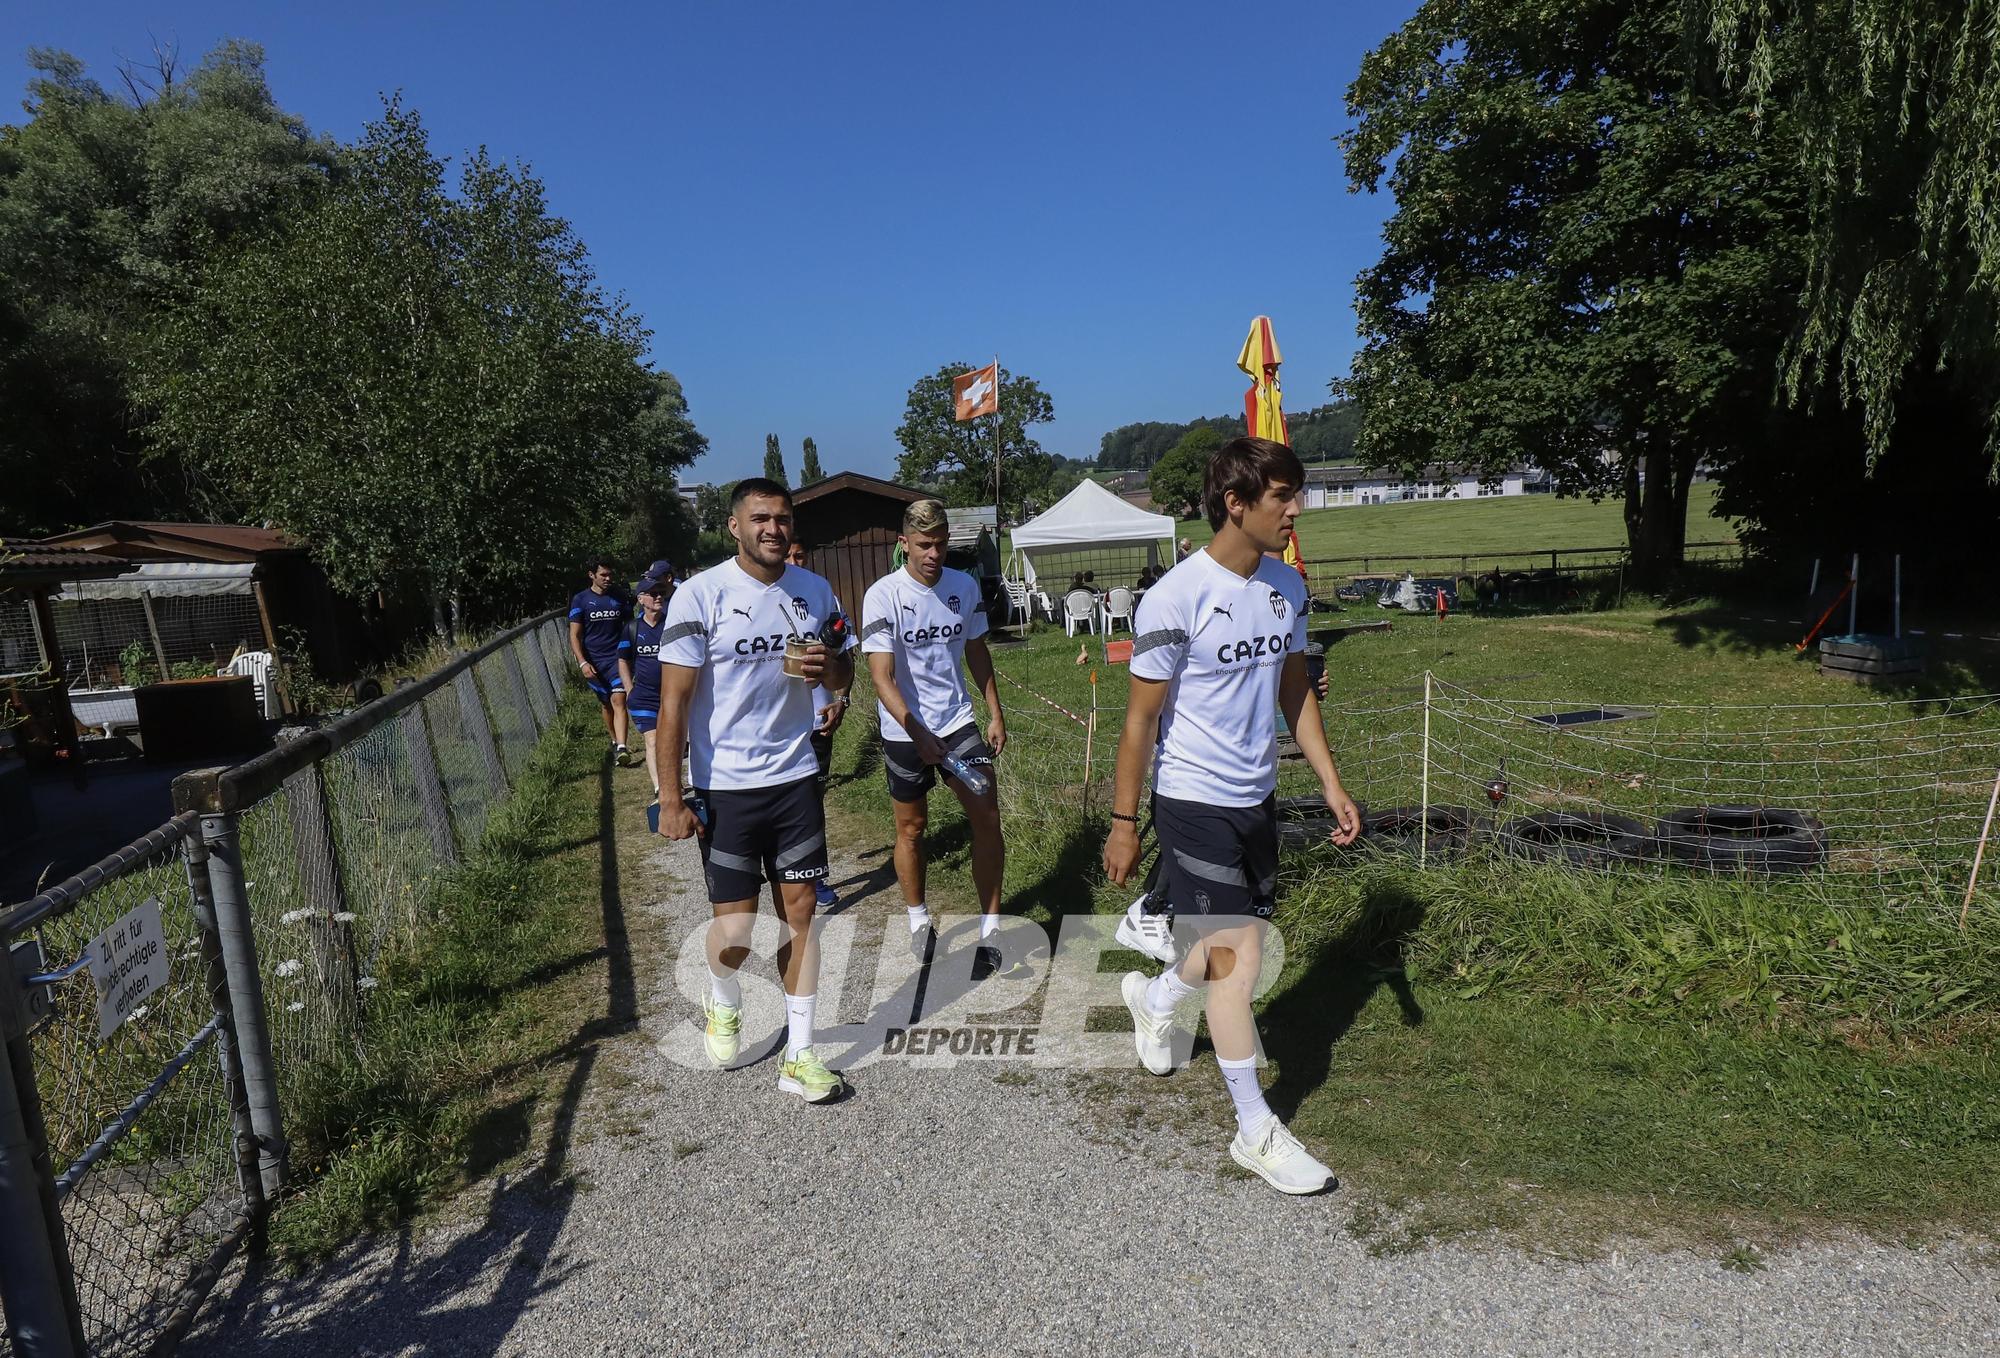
(938,632)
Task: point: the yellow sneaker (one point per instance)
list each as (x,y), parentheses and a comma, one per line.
(724,1034)
(807,1076)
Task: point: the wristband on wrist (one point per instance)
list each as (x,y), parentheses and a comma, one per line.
(1129,820)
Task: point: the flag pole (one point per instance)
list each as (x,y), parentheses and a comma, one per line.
(996,450)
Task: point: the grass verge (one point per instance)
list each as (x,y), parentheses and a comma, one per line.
(460,1030)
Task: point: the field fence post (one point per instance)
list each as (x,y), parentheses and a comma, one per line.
(472,711)
(329,923)
(216,978)
(518,682)
(37,1284)
(1424,773)
(532,641)
(430,787)
(222,840)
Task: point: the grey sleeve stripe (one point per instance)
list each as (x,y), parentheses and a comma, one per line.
(1152,641)
(682,629)
(879,625)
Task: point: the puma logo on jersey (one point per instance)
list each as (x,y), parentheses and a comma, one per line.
(909,608)
(744,611)
(1224,611)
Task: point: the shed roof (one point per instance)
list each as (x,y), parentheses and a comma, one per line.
(140,540)
(871,485)
(36,563)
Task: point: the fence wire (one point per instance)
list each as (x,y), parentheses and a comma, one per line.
(340,864)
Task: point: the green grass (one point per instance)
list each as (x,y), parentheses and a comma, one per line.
(489,987)
(1575,1054)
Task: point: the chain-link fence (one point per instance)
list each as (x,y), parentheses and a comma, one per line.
(233,951)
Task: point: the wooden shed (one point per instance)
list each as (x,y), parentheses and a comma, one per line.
(849,524)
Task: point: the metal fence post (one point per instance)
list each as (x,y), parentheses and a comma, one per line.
(544,638)
(202,791)
(518,682)
(472,711)
(215,975)
(430,788)
(37,1286)
(539,677)
(540,700)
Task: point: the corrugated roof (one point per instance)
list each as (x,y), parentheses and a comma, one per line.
(873,485)
(33,562)
(227,536)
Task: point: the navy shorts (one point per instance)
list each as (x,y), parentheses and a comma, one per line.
(775,833)
(608,680)
(644,719)
(910,777)
(1218,860)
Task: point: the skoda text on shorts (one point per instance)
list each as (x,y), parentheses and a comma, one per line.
(919,622)
(596,641)
(1217,639)
(748,727)
(829,708)
(640,666)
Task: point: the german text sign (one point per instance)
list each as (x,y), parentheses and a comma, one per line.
(129,962)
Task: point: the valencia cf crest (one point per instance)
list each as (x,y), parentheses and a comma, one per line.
(799,607)
(952,603)
(1278,604)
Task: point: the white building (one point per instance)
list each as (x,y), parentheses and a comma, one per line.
(1351,484)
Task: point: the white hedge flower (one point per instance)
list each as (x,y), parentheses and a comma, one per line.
(344,917)
(295,1006)
(368,983)
(293,916)
(290,967)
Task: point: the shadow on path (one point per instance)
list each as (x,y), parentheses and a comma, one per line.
(469,1299)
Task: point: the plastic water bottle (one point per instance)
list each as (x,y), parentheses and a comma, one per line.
(975,780)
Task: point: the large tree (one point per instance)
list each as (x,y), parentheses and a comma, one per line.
(809,468)
(1899,114)
(774,460)
(110,203)
(1176,480)
(956,457)
(429,388)
(1592,263)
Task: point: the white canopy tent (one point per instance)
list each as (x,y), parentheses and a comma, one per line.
(1089,519)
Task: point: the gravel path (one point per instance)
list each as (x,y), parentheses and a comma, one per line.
(984,1209)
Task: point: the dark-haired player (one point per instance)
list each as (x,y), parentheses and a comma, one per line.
(597,640)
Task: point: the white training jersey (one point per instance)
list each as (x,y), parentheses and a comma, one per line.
(749,724)
(925,627)
(1220,642)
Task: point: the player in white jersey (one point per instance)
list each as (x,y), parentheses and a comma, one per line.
(748,726)
(917,623)
(1217,639)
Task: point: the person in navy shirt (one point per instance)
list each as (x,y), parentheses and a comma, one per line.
(596,639)
(640,663)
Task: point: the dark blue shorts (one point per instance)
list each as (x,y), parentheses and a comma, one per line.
(608,680)
(643,719)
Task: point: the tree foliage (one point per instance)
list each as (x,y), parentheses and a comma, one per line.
(109,205)
(809,468)
(1323,434)
(429,388)
(956,458)
(1899,151)
(774,460)
(1593,252)
(711,508)
(1176,479)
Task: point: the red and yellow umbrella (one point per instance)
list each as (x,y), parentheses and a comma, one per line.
(1263,404)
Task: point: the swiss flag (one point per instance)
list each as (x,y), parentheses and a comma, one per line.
(976,393)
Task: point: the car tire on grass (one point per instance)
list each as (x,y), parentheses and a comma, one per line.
(1762,839)
(1593,839)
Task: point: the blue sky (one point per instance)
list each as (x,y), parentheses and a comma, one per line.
(814,205)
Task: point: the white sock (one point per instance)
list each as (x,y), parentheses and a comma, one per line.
(798,1024)
(987,924)
(725,989)
(1167,992)
(920,915)
(1241,1077)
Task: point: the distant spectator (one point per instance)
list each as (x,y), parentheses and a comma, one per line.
(1076,580)
(1184,550)
(1090,580)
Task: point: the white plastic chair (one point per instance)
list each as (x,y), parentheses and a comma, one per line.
(1118,605)
(1079,609)
(1018,603)
(259,665)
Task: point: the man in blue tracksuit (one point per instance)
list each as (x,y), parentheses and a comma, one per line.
(641,659)
(596,638)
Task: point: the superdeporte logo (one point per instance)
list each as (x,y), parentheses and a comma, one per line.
(1054,1002)
(937,632)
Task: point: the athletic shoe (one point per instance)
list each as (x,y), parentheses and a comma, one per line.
(923,943)
(724,1034)
(1152,1033)
(1274,1155)
(807,1076)
(1152,935)
(823,894)
(622,755)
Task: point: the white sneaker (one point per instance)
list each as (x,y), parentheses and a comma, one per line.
(1274,1155)
(1152,1034)
(1152,935)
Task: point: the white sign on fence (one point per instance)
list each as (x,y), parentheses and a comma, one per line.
(129,962)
